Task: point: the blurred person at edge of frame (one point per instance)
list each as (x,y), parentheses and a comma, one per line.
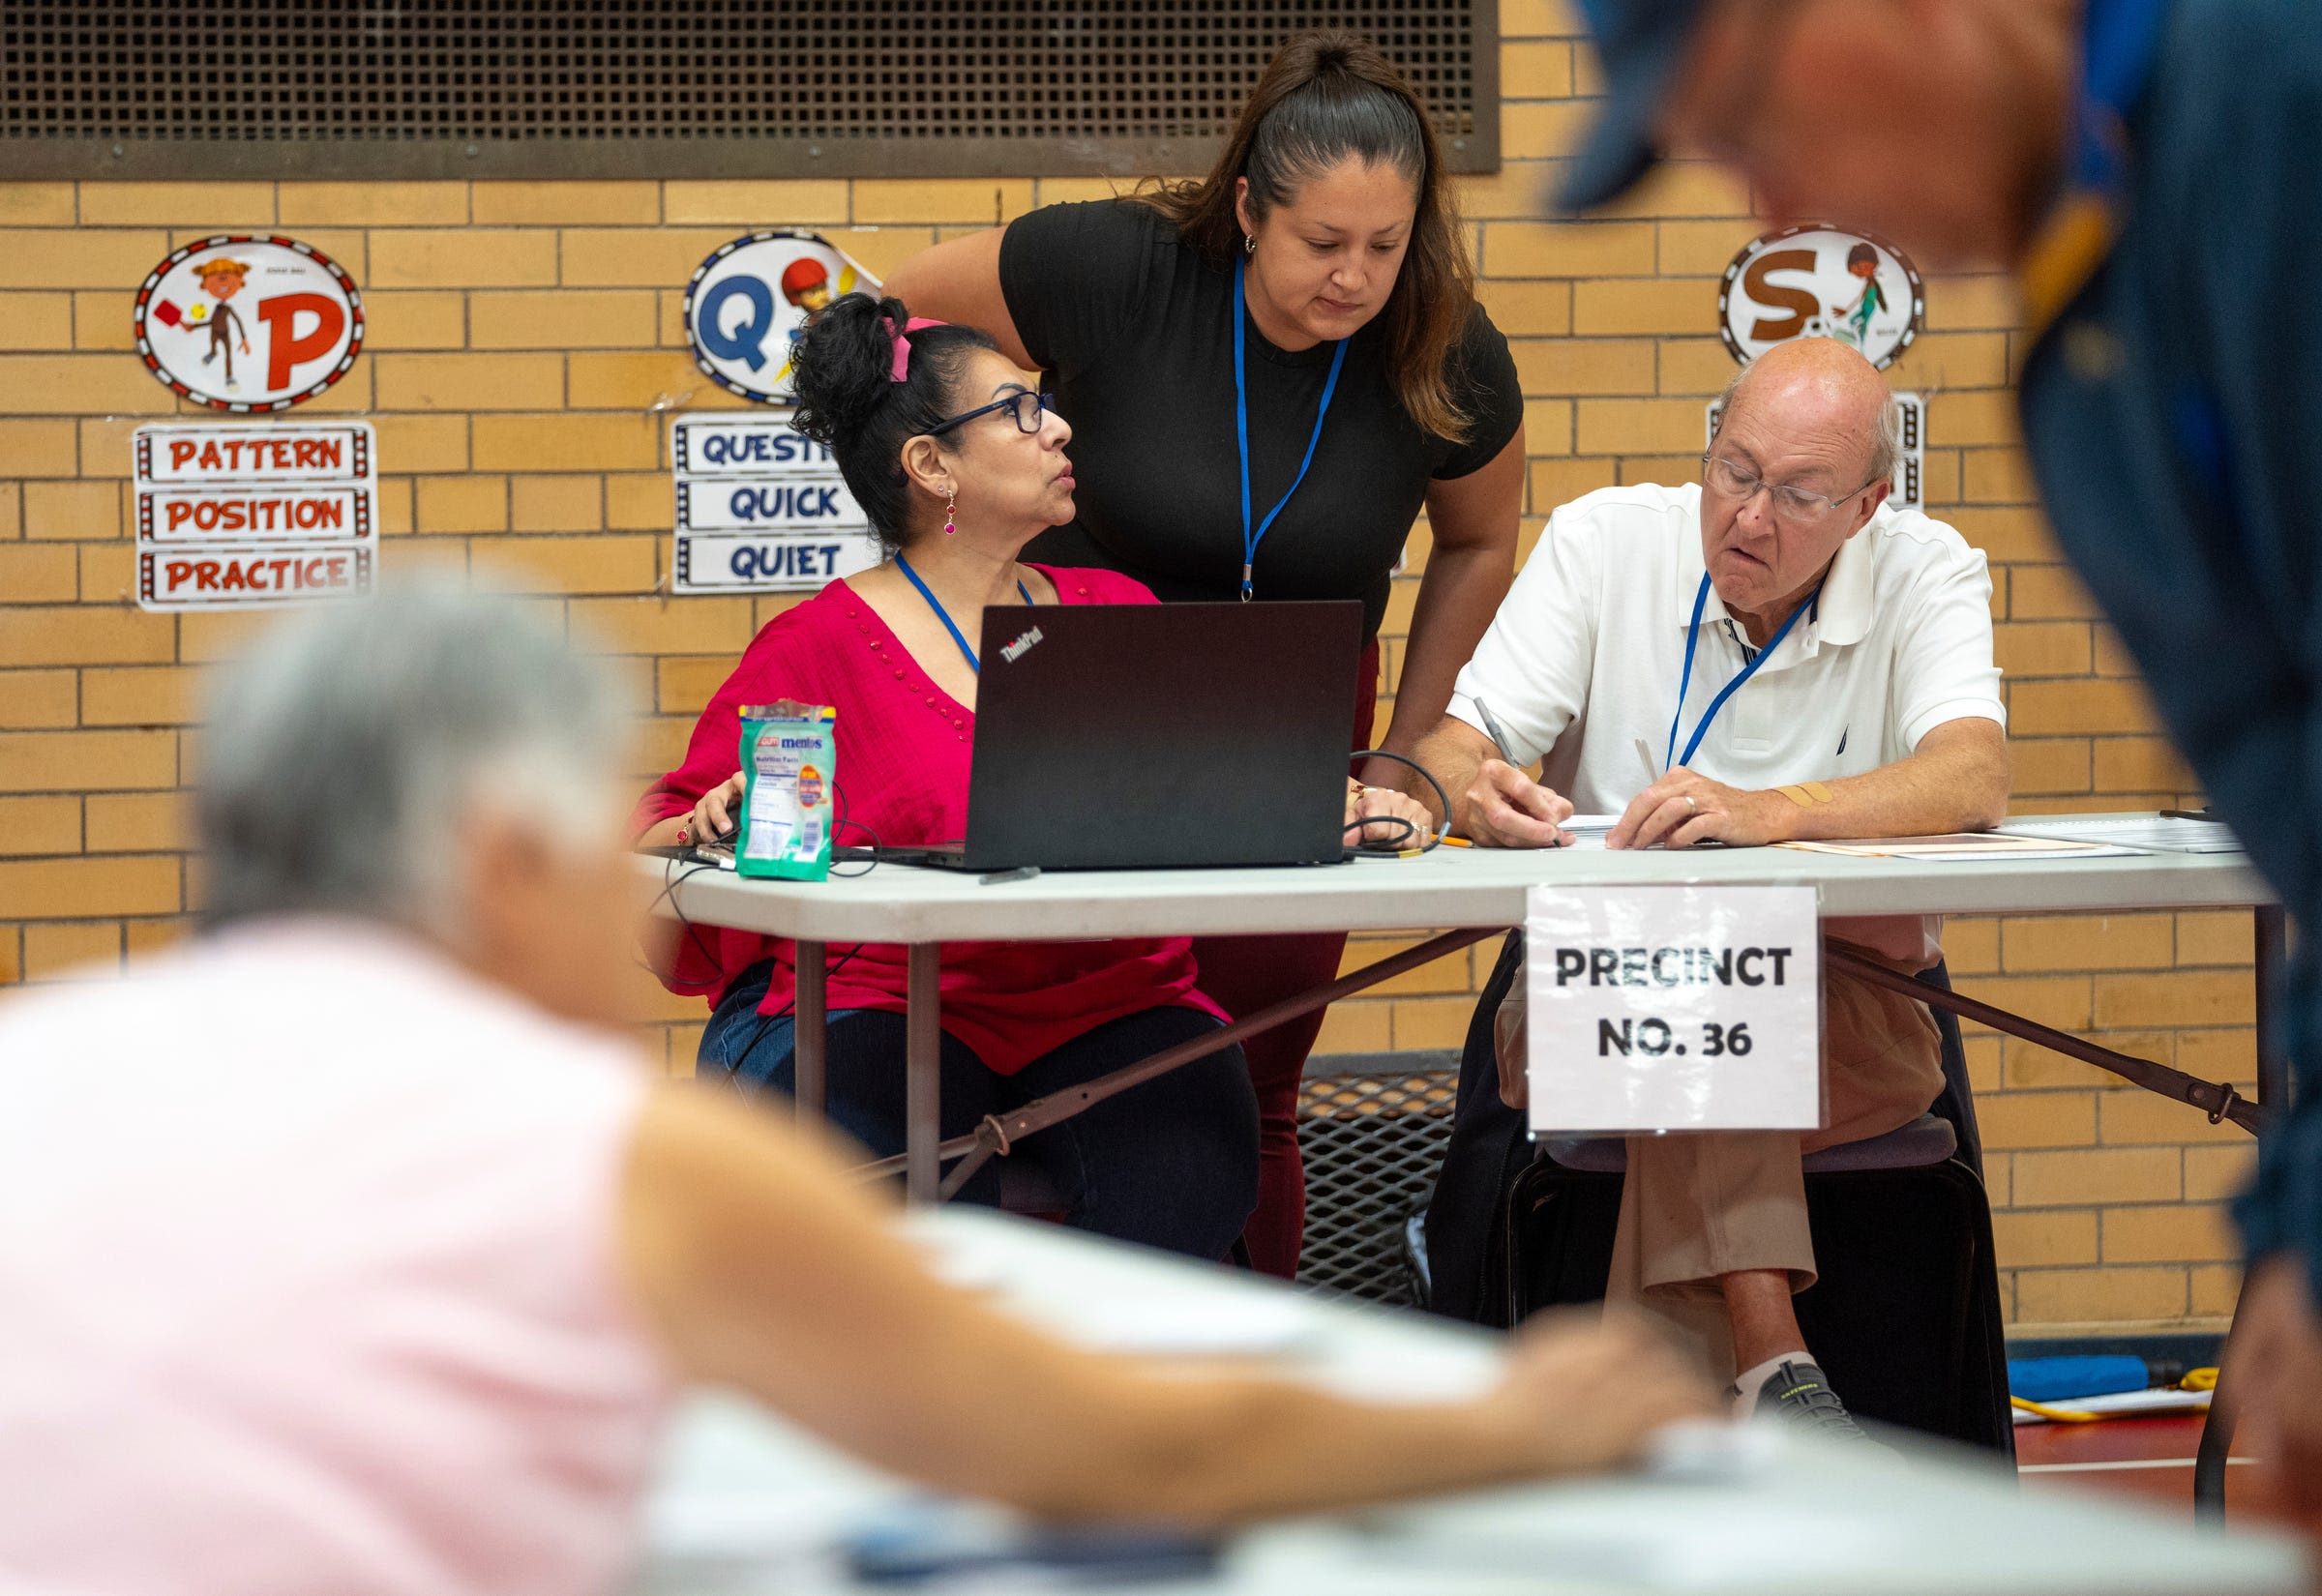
(350,1247)
(2146,169)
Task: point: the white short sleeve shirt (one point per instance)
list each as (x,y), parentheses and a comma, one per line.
(1587,654)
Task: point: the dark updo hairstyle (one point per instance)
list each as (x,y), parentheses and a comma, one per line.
(843,373)
(1326,97)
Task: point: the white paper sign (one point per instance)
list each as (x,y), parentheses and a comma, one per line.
(1679,1008)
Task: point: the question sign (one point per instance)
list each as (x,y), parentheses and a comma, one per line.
(747,302)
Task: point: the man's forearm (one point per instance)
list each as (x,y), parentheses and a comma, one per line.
(1958,785)
(1452,752)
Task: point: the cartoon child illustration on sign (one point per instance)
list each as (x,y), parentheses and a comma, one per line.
(222,280)
(805,283)
(1854,324)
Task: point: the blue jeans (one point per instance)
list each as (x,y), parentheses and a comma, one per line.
(1171,1163)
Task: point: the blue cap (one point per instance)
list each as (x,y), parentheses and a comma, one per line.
(1641,44)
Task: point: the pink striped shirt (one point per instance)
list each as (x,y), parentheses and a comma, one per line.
(308,1281)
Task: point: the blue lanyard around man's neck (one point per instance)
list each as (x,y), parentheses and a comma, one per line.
(1241,428)
(944,615)
(1701,599)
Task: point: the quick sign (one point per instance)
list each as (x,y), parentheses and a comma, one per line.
(232,517)
(1820,281)
(1910,472)
(1679,1008)
(761,508)
(747,302)
(249,324)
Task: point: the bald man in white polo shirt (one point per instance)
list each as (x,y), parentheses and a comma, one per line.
(1772,653)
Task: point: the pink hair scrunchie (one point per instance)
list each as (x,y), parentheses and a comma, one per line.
(903,343)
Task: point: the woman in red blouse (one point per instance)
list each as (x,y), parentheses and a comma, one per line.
(958,463)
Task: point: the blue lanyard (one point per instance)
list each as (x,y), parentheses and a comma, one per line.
(941,614)
(1242,429)
(1668,760)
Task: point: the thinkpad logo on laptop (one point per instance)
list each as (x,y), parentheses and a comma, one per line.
(1021,646)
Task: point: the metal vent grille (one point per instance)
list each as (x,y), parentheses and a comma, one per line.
(1372,1145)
(544,88)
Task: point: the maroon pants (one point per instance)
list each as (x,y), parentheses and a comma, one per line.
(1245,974)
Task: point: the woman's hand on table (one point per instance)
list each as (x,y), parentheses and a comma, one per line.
(1593,1392)
(718,813)
(1377,812)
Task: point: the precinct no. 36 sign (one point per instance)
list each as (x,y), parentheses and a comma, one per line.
(1676,1008)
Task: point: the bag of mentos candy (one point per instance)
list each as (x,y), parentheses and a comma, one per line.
(789,759)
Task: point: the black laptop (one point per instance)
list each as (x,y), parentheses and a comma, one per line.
(1128,736)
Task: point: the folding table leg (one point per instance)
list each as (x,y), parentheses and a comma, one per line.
(923,1065)
(811,1028)
(2273,1095)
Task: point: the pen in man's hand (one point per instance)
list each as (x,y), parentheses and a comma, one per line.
(1491,729)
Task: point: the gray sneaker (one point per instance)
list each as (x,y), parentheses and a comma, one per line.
(1800,1394)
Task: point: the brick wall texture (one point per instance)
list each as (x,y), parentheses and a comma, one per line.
(526,347)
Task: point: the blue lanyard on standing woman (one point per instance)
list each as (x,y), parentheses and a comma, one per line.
(944,615)
(1668,760)
(1242,429)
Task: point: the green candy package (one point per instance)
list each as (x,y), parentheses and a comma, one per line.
(789,759)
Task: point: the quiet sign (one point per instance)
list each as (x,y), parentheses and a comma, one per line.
(1681,1008)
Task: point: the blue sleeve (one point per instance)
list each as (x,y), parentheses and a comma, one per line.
(2247,202)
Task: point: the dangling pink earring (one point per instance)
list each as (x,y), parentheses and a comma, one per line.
(949,511)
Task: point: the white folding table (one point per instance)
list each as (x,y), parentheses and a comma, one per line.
(1477,891)
(1480,891)
(745,1502)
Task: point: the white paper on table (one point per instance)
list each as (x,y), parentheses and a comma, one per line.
(2167,833)
(1673,1007)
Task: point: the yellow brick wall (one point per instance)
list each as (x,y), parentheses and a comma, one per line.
(524,346)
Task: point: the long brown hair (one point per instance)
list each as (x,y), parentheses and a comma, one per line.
(1325,97)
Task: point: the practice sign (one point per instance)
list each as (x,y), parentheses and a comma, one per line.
(761,508)
(249,324)
(239,518)
(749,301)
(1678,1008)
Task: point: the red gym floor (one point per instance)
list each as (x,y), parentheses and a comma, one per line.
(2147,1458)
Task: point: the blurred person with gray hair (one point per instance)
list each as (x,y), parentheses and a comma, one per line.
(2145,167)
(350,1248)
(1772,653)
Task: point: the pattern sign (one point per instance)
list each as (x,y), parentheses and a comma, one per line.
(249,324)
(240,518)
(749,301)
(761,508)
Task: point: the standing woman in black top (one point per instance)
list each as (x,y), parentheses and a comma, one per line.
(1269,372)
